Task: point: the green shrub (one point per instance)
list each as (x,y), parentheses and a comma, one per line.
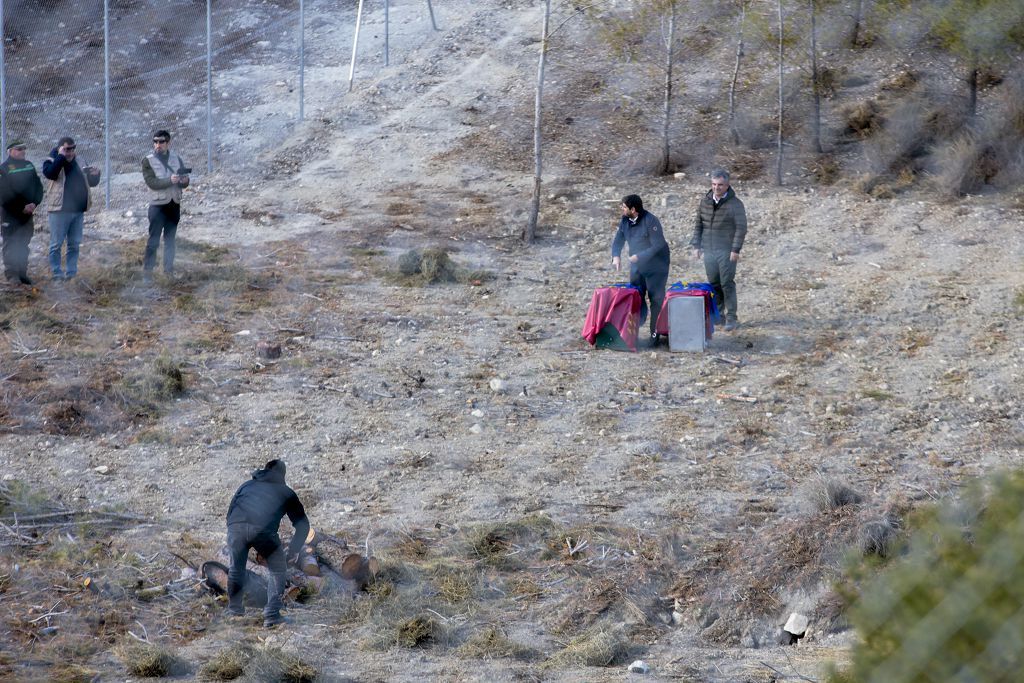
(950,607)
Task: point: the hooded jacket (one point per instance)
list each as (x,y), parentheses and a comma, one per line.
(720,227)
(264,500)
(646,240)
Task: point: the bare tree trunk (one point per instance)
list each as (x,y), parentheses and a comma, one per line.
(815,80)
(858,22)
(736,73)
(666,152)
(972,86)
(530,232)
(778,160)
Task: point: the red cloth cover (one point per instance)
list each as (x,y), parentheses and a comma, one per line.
(619,306)
(662,327)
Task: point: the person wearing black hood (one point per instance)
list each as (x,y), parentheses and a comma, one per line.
(718,235)
(649,256)
(253,518)
(20,193)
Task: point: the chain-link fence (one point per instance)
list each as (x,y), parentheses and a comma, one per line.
(110,72)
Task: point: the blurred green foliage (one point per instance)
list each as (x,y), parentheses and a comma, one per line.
(950,606)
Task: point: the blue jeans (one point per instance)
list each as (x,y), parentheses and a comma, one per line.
(65,225)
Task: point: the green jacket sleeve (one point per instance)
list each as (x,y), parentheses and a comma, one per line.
(152,182)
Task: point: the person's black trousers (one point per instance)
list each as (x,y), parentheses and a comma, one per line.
(163,220)
(651,286)
(16,236)
(241,537)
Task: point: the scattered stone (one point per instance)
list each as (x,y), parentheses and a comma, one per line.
(477,413)
(476,429)
(639,667)
(796,625)
(268,350)
(102,469)
(243,333)
(498,385)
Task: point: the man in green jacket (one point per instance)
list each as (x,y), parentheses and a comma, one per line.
(20,193)
(166,175)
(718,235)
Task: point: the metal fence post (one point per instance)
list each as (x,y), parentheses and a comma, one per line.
(430,8)
(355,46)
(302,59)
(209,86)
(3,83)
(106,99)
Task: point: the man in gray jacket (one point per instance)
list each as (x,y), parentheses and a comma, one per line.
(649,256)
(718,235)
(166,174)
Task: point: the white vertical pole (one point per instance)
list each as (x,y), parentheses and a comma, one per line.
(387,18)
(430,8)
(3,84)
(106,99)
(302,59)
(209,86)
(355,44)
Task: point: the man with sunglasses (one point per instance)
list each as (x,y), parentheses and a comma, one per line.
(20,193)
(166,175)
(68,192)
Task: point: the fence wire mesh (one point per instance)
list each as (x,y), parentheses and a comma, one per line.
(163,60)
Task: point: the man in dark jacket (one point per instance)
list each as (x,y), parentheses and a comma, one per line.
(254,515)
(68,199)
(20,194)
(649,256)
(718,235)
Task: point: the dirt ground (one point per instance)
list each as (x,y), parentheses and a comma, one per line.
(880,347)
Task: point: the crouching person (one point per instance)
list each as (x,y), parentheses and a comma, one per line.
(254,516)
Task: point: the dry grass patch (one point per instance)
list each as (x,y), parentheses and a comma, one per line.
(273,663)
(499,544)
(525,588)
(70,673)
(418,631)
(830,495)
(420,268)
(454,585)
(599,646)
(876,394)
(147,660)
(910,341)
(226,665)
(492,642)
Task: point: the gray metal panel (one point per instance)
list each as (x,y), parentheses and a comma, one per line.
(686,324)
